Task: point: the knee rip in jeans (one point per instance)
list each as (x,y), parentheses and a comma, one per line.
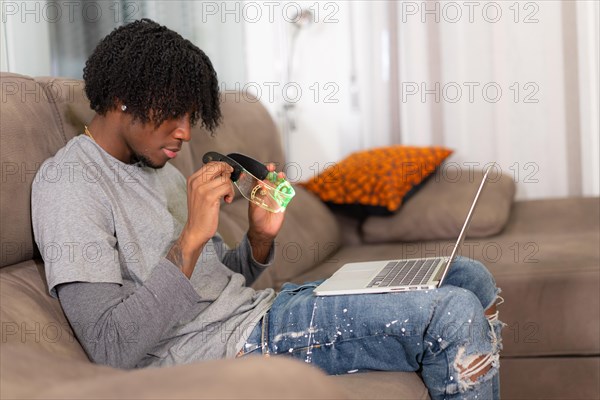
(474,368)
(491,313)
(495,325)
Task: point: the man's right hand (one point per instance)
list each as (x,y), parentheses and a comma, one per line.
(205,189)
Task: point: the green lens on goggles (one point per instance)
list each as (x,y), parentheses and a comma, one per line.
(255,182)
(272,194)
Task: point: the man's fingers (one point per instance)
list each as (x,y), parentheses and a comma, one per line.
(271,168)
(209,172)
(225,192)
(213,169)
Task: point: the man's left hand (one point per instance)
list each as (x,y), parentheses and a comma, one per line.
(264,227)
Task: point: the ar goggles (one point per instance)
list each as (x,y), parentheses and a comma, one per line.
(255,182)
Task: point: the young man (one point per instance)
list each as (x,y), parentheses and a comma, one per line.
(155,285)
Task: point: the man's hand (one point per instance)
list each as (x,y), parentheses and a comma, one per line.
(205,189)
(264,227)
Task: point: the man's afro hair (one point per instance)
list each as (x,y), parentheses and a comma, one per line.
(155,72)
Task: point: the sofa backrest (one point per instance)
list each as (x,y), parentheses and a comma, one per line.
(30,131)
(40,115)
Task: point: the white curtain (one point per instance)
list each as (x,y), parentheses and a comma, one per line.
(511,82)
(303,75)
(74,36)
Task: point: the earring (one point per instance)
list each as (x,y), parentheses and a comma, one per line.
(123,107)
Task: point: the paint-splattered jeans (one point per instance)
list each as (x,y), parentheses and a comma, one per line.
(438,332)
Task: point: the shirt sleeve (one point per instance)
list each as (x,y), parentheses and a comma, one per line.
(119,329)
(73,226)
(240,259)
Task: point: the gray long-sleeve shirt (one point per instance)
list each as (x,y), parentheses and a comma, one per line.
(97,220)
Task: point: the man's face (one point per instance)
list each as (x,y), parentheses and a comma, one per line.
(155,146)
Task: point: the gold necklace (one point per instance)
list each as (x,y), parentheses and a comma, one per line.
(88,133)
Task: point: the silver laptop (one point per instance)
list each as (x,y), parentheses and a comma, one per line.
(396,275)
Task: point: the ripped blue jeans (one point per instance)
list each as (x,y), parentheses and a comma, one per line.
(441,333)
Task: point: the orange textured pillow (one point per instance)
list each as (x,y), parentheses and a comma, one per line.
(377,180)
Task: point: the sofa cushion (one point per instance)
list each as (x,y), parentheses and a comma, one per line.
(549,271)
(30,316)
(30,132)
(376,181)
(29,374)
(308,237)
(536,378)
(383,385)
(438,210)
(547,263)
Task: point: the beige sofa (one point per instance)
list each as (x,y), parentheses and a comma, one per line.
(543,254)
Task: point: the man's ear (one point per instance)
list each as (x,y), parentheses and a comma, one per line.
(119,105)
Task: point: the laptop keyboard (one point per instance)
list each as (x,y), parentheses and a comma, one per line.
(405,272)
